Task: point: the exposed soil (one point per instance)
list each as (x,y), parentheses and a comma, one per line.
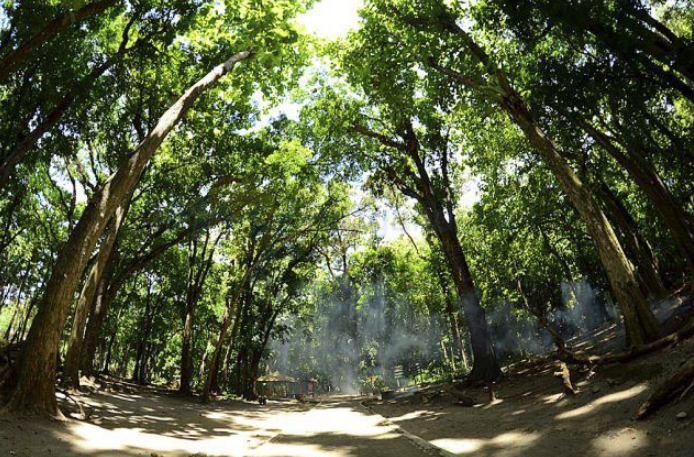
(128,421)
(531,416)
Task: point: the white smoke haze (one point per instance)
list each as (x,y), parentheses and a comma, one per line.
(357,344)
(359,341)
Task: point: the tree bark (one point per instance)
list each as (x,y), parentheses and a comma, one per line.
(35,392)
(648,180)
(87,298)
(14,59)
(636,243)
(484,364)
(640,323)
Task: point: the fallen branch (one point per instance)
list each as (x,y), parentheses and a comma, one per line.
(637,351)
(666,390)
(686,391)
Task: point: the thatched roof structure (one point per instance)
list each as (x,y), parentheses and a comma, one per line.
(276,377)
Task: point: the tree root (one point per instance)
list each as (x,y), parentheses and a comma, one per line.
(74,400)
(460,397)
(667,390)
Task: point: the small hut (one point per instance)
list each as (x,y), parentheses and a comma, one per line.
(277,385)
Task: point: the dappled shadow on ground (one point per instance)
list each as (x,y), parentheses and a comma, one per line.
(532,418)
(147,424)
(125,424)
(338,429)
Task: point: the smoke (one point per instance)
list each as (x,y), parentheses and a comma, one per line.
(585,308)
(359,340)
(516,333)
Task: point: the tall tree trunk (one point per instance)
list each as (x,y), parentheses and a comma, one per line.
(143,335)
(35,391)
(453,316)
(102,301)
(636,243)
(186,359)
(216,387)
(109,350)
(455,333)
(27,316)
(484,364)
(87,298)
(8,330)
(640,323)
(443,222)
(644,175)
(14,59)
(197,274)
(232,302)
(188,322)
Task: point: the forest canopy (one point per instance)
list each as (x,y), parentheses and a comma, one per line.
(200,193)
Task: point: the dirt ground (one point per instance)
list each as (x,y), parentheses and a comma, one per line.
(138,422)
(532,418)
(529,418)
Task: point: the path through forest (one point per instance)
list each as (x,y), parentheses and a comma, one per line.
(530,417)
(141,423)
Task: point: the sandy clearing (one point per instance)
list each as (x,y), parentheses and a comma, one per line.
(150,424)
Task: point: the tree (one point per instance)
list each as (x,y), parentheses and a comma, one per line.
(490,83)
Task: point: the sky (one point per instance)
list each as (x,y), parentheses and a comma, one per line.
(331,19)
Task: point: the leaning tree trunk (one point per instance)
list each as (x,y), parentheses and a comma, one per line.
(214,360)
(35,391)
(635,242)
(14,59)
(102,301)
(87,297)
(640,322)
(648,180)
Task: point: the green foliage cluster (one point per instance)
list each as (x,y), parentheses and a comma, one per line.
(255,244)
